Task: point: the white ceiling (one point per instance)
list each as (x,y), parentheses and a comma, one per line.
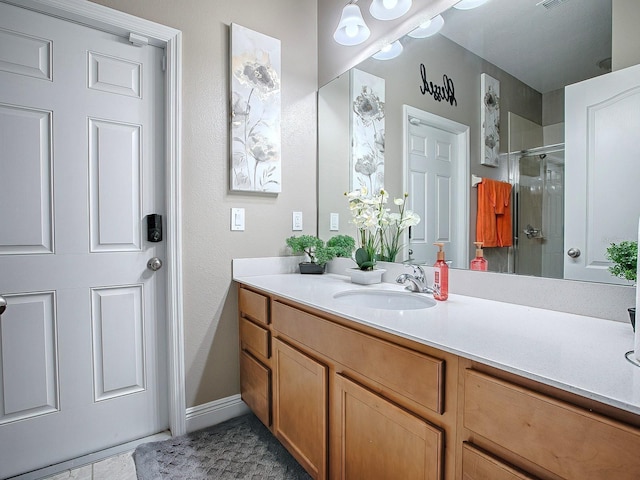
(546,48)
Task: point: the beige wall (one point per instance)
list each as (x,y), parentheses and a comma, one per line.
(210,310)
(626,40)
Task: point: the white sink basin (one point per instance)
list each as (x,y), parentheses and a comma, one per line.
(385,299)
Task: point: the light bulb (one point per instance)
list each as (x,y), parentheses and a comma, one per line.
(428,28)
(389,9)
(469,4)
(351,30)
(389,51)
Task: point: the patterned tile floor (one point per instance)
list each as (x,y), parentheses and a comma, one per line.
(119,467)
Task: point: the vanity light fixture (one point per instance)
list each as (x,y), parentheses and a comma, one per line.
(469,4)
(389,51)
(428,28)
(389,9)
(351,30)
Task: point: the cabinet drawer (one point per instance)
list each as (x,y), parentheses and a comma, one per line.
(254,306)
(411,374)
(561,438)
(255,387)
(254,338)
(478,465)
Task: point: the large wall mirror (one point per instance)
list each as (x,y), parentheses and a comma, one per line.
(434,95)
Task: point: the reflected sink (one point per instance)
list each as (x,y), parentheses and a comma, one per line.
(385,299)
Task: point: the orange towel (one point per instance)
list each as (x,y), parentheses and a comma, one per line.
(493,222)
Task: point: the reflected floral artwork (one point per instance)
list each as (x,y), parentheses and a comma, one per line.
(255,112)
(490,120)
(367,123)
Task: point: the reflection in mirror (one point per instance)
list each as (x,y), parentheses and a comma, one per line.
(533,49)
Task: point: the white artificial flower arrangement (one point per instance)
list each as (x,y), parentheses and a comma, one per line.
(379,230)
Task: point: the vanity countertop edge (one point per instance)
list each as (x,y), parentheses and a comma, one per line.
(579,354)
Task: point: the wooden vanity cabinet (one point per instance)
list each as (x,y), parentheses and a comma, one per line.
(353,402)
(386,407)
(506,425)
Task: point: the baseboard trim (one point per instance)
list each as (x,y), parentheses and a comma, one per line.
(212,413)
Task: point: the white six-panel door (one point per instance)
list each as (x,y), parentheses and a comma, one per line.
(82,340)
(602,170)
(433,184)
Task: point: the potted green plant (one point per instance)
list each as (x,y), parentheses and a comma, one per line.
(342,245)
(314,249)
(624,256)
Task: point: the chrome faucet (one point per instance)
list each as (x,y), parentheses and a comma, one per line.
(417,282)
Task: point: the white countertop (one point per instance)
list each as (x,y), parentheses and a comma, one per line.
(579,354)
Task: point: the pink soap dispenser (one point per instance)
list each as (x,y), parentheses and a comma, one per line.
(479,263)
(441,276)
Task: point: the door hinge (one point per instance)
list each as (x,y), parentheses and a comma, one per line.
(164,63)
(138,40)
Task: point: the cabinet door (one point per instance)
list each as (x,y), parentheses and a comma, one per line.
(300,407)
(380,440)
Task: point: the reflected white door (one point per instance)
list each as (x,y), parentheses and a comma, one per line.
(82,340)
(602,168)
(434,176)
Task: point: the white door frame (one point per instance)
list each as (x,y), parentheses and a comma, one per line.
(170,39)
(462,168)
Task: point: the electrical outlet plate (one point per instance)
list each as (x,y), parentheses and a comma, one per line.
(296,224)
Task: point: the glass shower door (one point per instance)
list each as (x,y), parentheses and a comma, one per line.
(539,218)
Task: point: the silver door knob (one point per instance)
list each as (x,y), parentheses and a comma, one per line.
(573,252)
(3,304)
(154,264)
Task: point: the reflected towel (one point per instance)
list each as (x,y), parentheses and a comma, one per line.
(493,222)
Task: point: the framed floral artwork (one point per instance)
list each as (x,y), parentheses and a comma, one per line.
(367,131)
(490,121)
(255,112)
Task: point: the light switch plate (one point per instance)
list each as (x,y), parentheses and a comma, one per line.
(237,219)
(334,222)
(296,223)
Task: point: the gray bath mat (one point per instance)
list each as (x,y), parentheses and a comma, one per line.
(238,448)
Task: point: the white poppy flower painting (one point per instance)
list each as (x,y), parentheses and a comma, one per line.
(367,126)
(490,120)
(255,112)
